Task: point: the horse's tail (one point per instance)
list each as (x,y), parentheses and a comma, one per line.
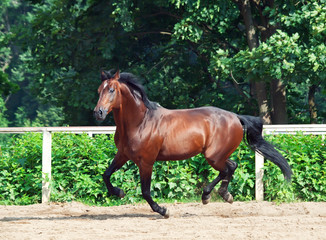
(253,127)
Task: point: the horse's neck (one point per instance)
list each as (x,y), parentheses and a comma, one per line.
(130,114)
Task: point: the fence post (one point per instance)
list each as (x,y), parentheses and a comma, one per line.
(46,165)
(259,164)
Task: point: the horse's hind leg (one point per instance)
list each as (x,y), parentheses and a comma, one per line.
(206,197)
(223,190)
(225,176)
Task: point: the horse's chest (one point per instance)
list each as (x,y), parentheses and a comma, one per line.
(137,148)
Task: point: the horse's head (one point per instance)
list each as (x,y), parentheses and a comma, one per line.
(109,95)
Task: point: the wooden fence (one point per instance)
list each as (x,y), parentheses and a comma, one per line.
(315,129)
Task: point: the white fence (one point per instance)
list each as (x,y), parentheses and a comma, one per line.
(315,129)
(47,145)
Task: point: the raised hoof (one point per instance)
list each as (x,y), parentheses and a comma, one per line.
(121,194)
(117,192)
(206,199)
(226,196)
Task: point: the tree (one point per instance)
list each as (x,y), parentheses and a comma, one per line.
(258,85)
(6,87)
(308,19)
(250,57)
(282,57)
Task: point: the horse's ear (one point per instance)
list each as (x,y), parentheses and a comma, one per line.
(103,76)
(116,75)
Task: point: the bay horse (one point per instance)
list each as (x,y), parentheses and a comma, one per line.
(147,132)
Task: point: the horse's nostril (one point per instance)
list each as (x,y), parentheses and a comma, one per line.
(100,112)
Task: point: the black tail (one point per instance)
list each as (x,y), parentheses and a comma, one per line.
(253,127)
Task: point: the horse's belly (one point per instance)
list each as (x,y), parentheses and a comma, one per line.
(181,147)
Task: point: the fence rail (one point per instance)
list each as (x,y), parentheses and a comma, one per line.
(315,129)
(77,130)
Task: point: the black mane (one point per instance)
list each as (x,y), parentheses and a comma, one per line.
(135,87)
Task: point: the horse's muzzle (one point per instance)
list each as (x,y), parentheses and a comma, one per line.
(100,114)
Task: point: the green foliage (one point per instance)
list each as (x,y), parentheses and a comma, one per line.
(185,51)
(21,170)
(242,186)
(295,53)
(79,161)
(6,86)
(3,119)
(307,155)
(78,166)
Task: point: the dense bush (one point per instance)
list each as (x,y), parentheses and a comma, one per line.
(307,157)
(79,161)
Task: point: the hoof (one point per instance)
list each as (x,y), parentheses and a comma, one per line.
(121,194)
(164,212)
(167,214)
(226,195)
(206,199)
(117,192)
(229,198)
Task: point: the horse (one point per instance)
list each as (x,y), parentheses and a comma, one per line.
(147,132)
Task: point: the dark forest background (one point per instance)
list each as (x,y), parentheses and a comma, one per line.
(265,58)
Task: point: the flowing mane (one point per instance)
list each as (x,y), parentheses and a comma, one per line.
(136,88)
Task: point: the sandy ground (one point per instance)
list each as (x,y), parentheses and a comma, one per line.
(241,220)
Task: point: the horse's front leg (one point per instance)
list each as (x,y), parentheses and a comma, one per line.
(118,161)
(145,171)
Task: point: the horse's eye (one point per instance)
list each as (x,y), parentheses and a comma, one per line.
(111,90)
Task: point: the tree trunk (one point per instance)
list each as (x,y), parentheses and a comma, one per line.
(264,111)
(252,38)
(278,95)
(312,104)
(258,87)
